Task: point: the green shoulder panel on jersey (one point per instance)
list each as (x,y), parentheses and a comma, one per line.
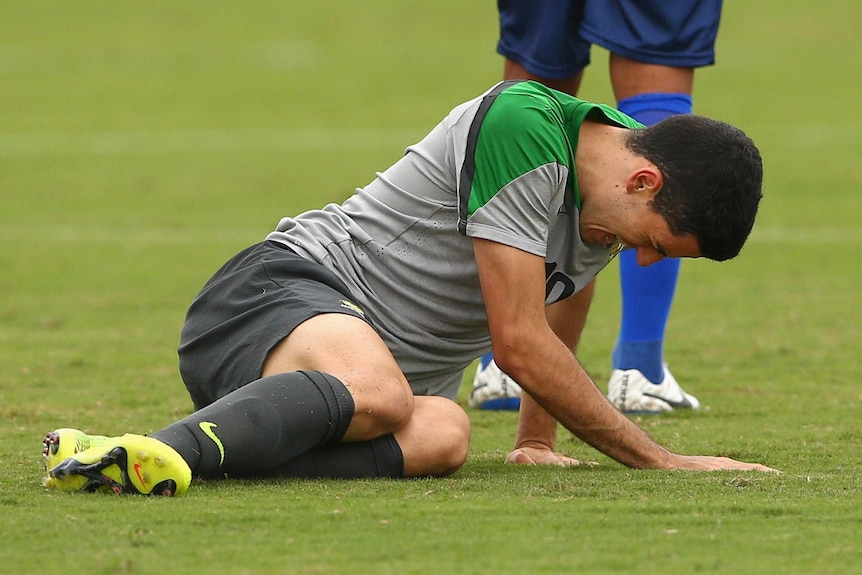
(520,132)
(521,126)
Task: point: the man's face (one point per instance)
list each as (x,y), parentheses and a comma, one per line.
(635,224)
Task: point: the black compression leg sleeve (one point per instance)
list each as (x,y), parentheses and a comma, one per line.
(263,424)
(380,457)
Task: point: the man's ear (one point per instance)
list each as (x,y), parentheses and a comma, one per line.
(645,180)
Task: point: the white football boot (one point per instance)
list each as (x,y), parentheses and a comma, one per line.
(493,389)
(631,392)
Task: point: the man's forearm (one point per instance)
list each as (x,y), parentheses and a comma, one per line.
(564,391)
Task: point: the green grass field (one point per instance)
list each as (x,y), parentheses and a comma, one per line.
(142,144)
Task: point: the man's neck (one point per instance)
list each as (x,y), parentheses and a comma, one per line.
(601,158)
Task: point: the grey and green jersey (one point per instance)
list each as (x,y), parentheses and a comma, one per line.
(499,167)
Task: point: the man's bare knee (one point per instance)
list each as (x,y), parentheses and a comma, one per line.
(382,407)
(456,441)
(437,439)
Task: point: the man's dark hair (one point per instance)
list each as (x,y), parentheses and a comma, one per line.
(713,176)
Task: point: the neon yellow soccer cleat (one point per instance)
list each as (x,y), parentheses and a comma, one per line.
(131,464)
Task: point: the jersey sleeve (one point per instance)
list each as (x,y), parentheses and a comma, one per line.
(516,172)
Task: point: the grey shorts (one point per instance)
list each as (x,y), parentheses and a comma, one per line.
(254,301)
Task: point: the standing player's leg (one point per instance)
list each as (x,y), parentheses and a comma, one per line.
(539,41)
(649,93)
(655,47)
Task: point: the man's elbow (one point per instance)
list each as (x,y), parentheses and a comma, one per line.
(514,358)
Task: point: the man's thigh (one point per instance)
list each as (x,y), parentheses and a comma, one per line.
(349,349)
(340,345)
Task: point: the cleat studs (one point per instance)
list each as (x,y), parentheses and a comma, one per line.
(160,462)
(143,455)
(51,444)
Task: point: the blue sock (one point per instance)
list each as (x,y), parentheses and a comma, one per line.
(647,292)
(486,359)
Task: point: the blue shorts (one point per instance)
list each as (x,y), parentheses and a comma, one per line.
(552,38)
